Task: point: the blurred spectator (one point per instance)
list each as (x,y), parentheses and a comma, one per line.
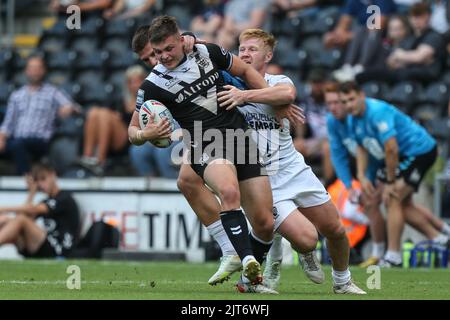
(91,7)
(294,6)
(418,58)
(29,121)
(364,40)
(206,24)
(124,9)
(241,15)
(312,145)
(59,212)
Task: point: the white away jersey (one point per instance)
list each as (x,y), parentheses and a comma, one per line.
(274,143)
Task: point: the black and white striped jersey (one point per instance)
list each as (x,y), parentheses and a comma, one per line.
(190,90)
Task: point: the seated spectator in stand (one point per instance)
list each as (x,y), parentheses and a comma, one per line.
(292,7)
(363,40)
(207,22)
(87,7)
(59,212)
(241,15)
(313,146)
(124,9)
(29,121)
(418,58)
(106,129)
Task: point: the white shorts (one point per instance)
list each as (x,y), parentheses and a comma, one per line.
(295,186)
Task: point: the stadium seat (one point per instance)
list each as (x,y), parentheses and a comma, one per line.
(52,43)
(121,28)
(117,44)
(6,61)
(5,91)
(325,58)
(446,78)
(122,60)
(72,89)
(58,29)
(88,77)
(292,59)
(96,94)
(94,60)
(62,60)
(58,77)
(437,93)
(326,19)
(376,90)
(404,94)
(116,78)
(313,45)
(426,112)
(84,44)
(89,27)
(286,27)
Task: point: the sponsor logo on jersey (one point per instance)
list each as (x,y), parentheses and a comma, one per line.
(198,87)
(172,82)
(382,126)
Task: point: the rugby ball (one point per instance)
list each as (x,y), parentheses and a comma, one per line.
(160,111)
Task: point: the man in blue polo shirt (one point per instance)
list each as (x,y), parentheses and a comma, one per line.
(406,148)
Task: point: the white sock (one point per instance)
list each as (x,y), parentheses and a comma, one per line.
(378,249)
(341,277)
(219,234)
(393,256)
(441,239)
(446,229)
(276,250)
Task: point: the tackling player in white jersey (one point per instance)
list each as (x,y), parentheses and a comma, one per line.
(296,190)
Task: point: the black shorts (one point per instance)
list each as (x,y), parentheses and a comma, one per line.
(243,153)
(412,169)
(45,251)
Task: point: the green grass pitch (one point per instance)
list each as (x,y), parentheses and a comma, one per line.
(46,279)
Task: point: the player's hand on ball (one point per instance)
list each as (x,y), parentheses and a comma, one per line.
(231,97)
(158,130)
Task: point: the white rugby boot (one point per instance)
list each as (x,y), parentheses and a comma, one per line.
(311,266)
(272,273)
(348,288)
(228,265)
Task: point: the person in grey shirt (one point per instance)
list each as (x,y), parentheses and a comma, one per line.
(29,121)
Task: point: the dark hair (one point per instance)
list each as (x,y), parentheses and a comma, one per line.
(140,39)
(420,9)
(39,168)
(403,20)
(162,27)
(348,87)
(38,55)
(331,87)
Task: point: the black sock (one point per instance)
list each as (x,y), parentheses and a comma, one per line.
(235,226)
(260,249)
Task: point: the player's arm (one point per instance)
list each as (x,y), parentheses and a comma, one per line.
(138,136)
(279,95)
(27,209)
(362,162)
(339,155)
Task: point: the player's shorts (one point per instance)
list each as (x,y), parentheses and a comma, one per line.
(245,157)
(295,186)
(412,169)
(46,250)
